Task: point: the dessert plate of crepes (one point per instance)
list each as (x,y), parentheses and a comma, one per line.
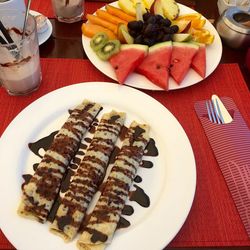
(99,199)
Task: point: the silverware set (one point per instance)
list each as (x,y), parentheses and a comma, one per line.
(217,112)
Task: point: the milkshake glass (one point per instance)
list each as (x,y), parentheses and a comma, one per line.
(12,4)
(20,71)
(68,11)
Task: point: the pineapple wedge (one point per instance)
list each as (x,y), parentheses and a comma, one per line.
(127,6)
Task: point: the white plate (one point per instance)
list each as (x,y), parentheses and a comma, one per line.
(44,36)
(213,51)
(170,184)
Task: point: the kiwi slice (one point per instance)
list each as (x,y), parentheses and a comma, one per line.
(98,41)
(110,48)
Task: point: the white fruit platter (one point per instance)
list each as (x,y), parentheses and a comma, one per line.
(213,56)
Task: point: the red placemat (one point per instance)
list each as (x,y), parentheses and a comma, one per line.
(45,7)
(213,219)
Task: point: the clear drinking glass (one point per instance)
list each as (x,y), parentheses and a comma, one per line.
(20,71)
(68,11)
(12,4)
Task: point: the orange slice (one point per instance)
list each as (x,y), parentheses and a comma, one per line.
(202,36)
(198,24)
(207,39)
(196,19)
(191,16)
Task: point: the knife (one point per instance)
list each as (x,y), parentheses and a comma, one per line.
(221,110)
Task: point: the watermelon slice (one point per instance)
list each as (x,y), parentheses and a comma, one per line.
(156,65)
(129,57)
(199,60)
(181,59)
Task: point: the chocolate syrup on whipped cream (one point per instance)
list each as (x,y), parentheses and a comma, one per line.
(9,64)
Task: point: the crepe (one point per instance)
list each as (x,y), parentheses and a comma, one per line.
(103,221)
(88,177)
(40,192)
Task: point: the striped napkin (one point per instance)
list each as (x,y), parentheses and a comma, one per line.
(231,146)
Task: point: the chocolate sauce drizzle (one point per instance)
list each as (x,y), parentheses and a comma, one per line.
(146,164)
(52,213)
(123,133)
(43,143)
(128,210)
(64,221)
(138,195)
(138,179)
(151,149)
(113,155)
(123,223)
(66,180)
(98,236)
(26,178)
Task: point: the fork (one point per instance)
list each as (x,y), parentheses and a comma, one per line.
(214,112)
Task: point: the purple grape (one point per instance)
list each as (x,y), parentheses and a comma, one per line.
(139,39)
(146,16)
(166,37)
(135,25)
(167,30)
(174,29)
(148,41)
(150,30)
(165,22)
(152,19)
(159,36)
(133,33)
(159,18)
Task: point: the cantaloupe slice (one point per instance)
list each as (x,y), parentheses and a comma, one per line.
(99,21)
(89,30)
(119,13)
(110,18)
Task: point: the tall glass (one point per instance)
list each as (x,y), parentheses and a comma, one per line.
(12,4)
(68,11)
(20,71)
